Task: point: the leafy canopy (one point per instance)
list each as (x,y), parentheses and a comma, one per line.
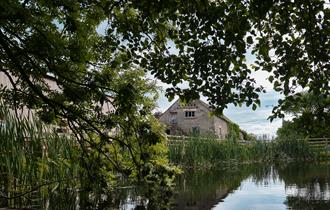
(311,116)
(58,40)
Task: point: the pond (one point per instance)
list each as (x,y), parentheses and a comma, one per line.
(251,187)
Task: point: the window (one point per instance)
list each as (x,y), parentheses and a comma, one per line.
(195,130)
(190,113)
(220,132)
(173,118)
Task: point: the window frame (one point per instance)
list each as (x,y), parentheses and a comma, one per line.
(190,114)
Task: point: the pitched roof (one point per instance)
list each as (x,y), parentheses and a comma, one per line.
(205,105)
(168,108)
(220,116)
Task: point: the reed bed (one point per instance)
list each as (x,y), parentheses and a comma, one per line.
(206,152)
(34,160)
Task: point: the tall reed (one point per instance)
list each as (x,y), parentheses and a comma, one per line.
(210,152)
(34,158)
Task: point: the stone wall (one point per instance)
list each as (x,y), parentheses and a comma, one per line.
(180,120)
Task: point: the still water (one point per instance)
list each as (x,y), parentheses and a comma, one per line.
(303,186)
(253,187)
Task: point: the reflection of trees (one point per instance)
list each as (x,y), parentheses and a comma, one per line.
(299,203)
(262,175)
(71,198)
(312,184)
(309,183)
(204,189)
(143,197)
(302,173)
(198,190)
(56,200)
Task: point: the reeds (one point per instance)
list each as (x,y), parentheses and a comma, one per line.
(33,158)
(209,152)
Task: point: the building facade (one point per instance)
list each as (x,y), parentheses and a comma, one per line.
(194,118)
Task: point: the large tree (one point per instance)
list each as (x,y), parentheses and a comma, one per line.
(58,40)
(310,116)
(61,67)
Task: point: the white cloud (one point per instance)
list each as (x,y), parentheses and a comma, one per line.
(256,121)
(261,79)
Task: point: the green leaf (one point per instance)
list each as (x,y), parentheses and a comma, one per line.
(249,40)
(271,78)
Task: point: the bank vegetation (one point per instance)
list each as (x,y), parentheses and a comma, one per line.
(208,152)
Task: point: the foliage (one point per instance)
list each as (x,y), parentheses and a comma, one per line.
(201,152)
(33,158)
(290,130)
(60,42)
(311,117)
(248,136)
(136,150)
(294,46)
(59,65)
(37,163)
(296,149)
(233,131)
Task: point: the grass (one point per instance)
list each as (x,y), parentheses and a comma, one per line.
(34,159)
(206,152)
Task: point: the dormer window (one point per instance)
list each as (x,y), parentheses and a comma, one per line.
(190,114)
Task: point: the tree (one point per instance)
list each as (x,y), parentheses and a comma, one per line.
(294,45)
(58,40)
(311,116)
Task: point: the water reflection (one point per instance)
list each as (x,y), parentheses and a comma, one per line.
(279,186)
(203,190)
(309,185)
